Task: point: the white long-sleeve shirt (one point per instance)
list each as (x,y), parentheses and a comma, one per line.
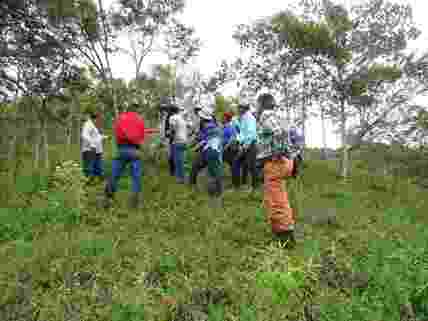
(91,137)
(179,125)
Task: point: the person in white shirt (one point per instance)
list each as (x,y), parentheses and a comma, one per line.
(92,147)
(179,138)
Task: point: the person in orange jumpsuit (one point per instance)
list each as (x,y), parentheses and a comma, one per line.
(273,145)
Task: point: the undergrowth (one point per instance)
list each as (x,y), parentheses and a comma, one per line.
(361,252)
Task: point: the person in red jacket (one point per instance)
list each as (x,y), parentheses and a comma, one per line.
(130,133)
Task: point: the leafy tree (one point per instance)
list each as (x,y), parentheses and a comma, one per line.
(347,49)
(151,26)
(33,36)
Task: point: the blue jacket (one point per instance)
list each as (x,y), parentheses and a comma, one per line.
(203,132)
(211,137)
(247,129)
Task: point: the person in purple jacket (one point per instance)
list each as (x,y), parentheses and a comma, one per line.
(199,161)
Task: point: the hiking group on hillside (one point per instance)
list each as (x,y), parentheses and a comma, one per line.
(251,143)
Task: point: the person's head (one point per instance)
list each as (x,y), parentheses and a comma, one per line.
(265,102)
(175,107)
(93,115)
(181,108)
(227,117)
(243,106)
(206,115)
(197,109)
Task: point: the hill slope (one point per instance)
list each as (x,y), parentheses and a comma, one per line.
(361,254)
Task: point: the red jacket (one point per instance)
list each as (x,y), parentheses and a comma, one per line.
(129,129)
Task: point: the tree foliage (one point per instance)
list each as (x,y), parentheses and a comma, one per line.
(152,26)
(354,58)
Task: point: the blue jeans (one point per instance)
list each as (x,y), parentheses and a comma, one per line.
(92,164)
(127,155)
(178,151)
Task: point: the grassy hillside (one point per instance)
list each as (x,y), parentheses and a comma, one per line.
(362,253)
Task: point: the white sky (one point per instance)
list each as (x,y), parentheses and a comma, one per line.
(214,22)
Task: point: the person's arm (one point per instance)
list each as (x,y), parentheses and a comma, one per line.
(151,130)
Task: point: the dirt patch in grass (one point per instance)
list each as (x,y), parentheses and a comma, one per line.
(336,276)
(19,305)
(202,300)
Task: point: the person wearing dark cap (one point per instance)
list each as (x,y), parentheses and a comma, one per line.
(277,165)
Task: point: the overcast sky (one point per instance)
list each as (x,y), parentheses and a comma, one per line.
(214,22)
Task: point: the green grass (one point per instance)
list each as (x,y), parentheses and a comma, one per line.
(176,244)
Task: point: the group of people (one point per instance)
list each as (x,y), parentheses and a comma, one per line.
(250,143)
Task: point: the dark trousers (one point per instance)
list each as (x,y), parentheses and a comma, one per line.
(198,164)
(215,172)
(92,164)
(249,166)
(234,162)
(171,163)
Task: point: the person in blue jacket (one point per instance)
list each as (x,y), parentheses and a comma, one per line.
(230,133)
(247,139)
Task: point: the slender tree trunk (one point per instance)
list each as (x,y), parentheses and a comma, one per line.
(69,134)
(69,127)
(304,107)
(11,155)
(344,170)
(77,130)
(36,148)
(45,145)
(323,133)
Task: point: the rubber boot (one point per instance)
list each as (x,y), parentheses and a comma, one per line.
(107,201)
(108,197)
(134,200)
(171,167)
(91,181)
(236,182)
(286,239)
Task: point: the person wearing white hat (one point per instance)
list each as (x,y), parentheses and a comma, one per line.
(212,153)
(206,116)
(179,140)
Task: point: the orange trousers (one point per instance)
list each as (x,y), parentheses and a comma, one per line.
(279,213)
